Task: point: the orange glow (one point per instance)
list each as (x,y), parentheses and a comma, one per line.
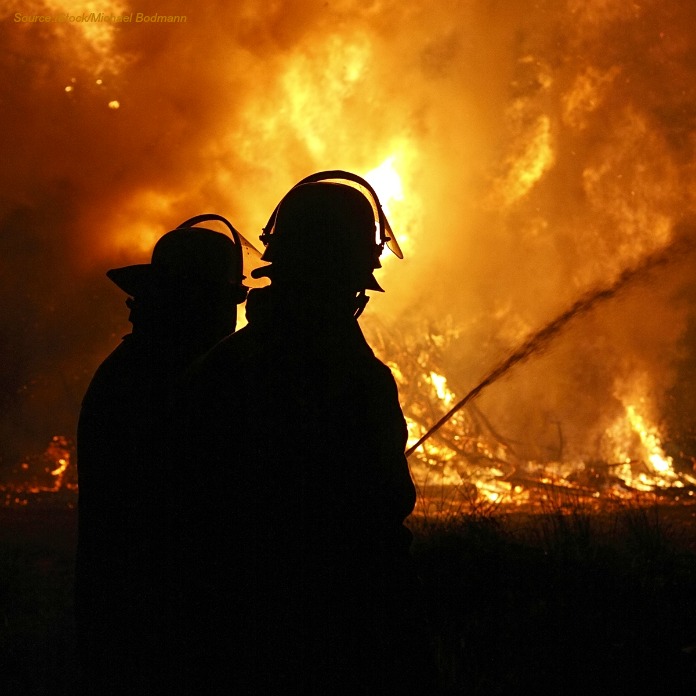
(387,183)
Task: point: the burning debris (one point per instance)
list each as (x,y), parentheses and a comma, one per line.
(467,454)
(51,476)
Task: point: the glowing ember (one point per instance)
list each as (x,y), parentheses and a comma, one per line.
(62,466)
(51,472)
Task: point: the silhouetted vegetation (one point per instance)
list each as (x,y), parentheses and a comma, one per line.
(566,601)
(569,600)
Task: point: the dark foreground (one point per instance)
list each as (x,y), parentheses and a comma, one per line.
(565,602)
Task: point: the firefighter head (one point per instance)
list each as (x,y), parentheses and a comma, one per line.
(194,277)
(327,234)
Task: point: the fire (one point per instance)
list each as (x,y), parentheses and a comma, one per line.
(443,393)
(387,183)
(642,463)
(440,465)
(63,463)
(650,440)
(400,201)
(469,455)
(48,473)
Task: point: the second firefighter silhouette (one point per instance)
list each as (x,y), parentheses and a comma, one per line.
(297,428)
(181,304)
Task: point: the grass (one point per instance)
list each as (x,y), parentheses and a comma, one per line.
(37,637)
(569,600)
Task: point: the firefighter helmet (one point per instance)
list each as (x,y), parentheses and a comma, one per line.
(190,254)
(323,216)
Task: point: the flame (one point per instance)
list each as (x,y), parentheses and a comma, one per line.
(540,156)
(439,464)
(325,75)
(637,443)
(387,184)
(650,440)
(443,393)
(63,463)
(50,472)
(471,458)
(58,454)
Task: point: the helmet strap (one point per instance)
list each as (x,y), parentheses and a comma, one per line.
(361,301)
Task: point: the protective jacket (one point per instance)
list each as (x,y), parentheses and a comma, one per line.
(297,434)
(127,584)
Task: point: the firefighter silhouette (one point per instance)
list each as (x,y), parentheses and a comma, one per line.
(297,434)
(181,304)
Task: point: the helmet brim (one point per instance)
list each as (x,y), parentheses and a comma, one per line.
(133,280)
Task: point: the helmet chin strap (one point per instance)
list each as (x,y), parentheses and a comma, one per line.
(361,301)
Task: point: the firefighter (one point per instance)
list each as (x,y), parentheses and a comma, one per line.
(297,434)
(181,304)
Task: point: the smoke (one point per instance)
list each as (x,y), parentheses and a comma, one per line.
(543,147)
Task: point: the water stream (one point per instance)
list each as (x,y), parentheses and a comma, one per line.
(676,250)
